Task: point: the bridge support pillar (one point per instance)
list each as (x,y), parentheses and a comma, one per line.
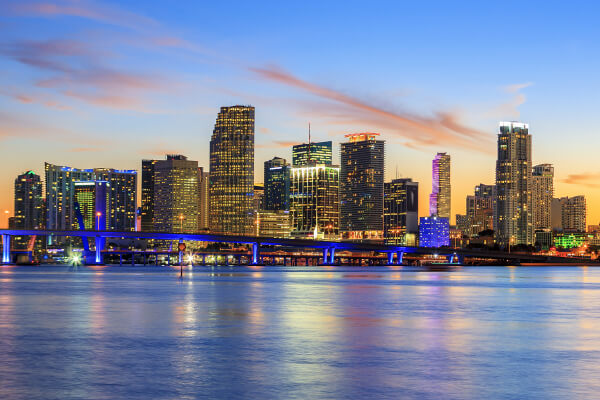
(180,254)
(399,257)
(255,253)
(100,243)
(325,256)
(332,255)
(6,259)
(390,258)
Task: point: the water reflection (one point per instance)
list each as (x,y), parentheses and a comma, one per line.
(389,332)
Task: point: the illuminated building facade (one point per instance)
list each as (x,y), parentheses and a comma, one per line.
(439,200)
(542,179)
(29,203)
(122,197)
(315,201)
(434,232)
(232,171)
(362,186)
(203,202)
(274,223)
(400,211)
(513,213)
(176,194)
(147,206)
(277,184)
(92,199)
(571,240)
(479,211)
(309,153)
(59,194)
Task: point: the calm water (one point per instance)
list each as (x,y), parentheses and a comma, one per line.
(298,333)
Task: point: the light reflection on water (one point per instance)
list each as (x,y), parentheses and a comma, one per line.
(297,332)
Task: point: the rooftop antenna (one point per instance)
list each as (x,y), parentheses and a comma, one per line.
(309,158)
(396,171)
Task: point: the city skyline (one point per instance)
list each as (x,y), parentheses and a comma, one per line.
(78,115)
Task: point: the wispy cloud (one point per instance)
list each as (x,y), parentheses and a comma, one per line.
(443,128)
(83,9)
(516,87)
(587,179)
(75,71)
(277,144)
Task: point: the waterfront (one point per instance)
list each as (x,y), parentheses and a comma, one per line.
(298,332)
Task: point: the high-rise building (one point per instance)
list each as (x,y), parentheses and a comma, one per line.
(91,203)
(361,186)
(513,216)
(434,232)
(122,197)
(204,205)
(315,201)
(400,211)
(274,223)
(147,206)
(176,194)
(232,171)
(277,184)
(573,214)
(309,153)
(479,211)
(29,204)
(59,194)
(542,193)
(439,201)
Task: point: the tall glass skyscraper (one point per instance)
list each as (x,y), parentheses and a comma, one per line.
(361,186)
(401,212)
(232,171)
(439,200)
(29,205)
(60,188)
(92,199)
(122,185)
(176,194)
(277,184)
(513,213)
(147,206)
(315,202)
(307,153)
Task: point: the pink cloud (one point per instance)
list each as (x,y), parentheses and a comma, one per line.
(443,128)
(588,179)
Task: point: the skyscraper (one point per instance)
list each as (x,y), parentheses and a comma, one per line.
(319,153)
(439,201)
(277,184)
(122,186)
(92,202)
(147,206)
(176,194)
(29,205)
(232,171)
(361,186)
(59,194)
(542,194)
(203,206)
(479,211)
(314,201)
(573,213)
(513,216)
(401,209)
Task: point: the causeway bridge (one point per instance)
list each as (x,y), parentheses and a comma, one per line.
(394,254)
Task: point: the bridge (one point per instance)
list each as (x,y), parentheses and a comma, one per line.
(394,254)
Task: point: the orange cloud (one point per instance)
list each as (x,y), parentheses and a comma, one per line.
(587,179)
(444,128)
(277,144)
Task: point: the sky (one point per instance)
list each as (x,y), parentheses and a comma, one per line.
(106,84)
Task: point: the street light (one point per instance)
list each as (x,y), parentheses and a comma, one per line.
(7,218)
(181,218)
(98,215)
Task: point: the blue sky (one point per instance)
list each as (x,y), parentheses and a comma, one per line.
(93,84)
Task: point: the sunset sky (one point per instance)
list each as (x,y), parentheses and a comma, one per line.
(105,84)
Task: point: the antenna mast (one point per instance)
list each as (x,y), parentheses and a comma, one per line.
(309,154)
